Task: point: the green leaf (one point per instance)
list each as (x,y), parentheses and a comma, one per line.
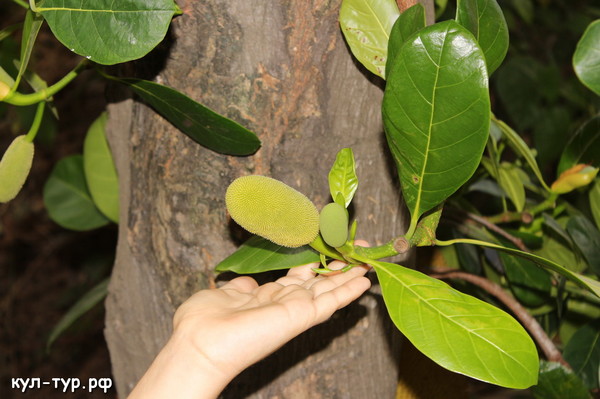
(586,59)
(521,148)
(68,199)
(259,255)
(31,27)
(595,201)
(558,245)
(530,284)
(582,352)
(509,180)
(581,280)
(484,18)
(83,305)
(583,147)
(197,121)
(458,331)
(366,25)
(8,31)
(100,172)
(558,382)
(106,31)
(342,177)
(436,111)
(409,22)
(587,238)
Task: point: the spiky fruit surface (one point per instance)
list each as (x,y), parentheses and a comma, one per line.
(14,168)
(273,210)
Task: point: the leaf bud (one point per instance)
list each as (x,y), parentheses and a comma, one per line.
(577,176)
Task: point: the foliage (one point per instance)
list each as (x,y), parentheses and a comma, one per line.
(533,246)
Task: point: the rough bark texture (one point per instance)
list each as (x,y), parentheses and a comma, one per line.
(282,69)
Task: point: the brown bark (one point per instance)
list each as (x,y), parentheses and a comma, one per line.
(282,69)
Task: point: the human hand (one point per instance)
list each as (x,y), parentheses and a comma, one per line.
(240,323)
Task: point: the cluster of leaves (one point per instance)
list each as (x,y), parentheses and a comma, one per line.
(449,148)
(82,192)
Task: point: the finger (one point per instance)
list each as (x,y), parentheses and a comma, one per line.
(303,272)
(330,301)
(242,284)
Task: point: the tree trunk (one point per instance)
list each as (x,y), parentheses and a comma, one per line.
(282,69)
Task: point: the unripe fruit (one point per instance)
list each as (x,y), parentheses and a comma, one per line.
(14,168)
(273,210)
(333,223)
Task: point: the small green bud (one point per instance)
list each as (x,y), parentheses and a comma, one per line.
(14,168)
(4,90)
(333,224)
(273,210)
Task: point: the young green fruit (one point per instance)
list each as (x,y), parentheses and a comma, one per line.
(333,223)
(14,168)
(273,210)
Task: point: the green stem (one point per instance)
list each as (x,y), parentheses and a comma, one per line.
(37,121)
(21,3)
(447,243)
(381,251)
(508,217)
(20,99)
(31,5)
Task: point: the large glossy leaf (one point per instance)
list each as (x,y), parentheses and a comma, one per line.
(587,238)
(197,121)
(343,181)
(458,331)
(67,197)
(107,31)
(100,171)
(558,382)
(83,305)
(409,22)
(436,111)
(366,25)
(586,59)
(582,352)
(259,255)
(583,147)
(595,201)
(484,18)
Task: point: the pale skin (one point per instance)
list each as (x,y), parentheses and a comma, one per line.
(218,333)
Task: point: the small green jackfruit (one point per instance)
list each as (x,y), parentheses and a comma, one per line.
(333,223)
(14,167)
(273,210)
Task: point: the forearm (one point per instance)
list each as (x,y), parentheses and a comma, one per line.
(179,372)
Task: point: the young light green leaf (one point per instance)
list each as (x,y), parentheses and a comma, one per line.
(68,199)
(109,32)
(582,352)
(259,255)
(521,148)
(342,177)
(509,180)
(583,147)
(458,331)
(595,201)
(436,111)
(558,382)
(31,27)
(409,22)
(100,171)
(485,20)
(366,25)
(83,305)
(579,279)
(587,238)
(200,123)
(586,59)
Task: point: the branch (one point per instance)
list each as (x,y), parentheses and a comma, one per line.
(528,321)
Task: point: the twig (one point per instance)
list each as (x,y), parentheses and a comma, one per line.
(498,230)
(528,321)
